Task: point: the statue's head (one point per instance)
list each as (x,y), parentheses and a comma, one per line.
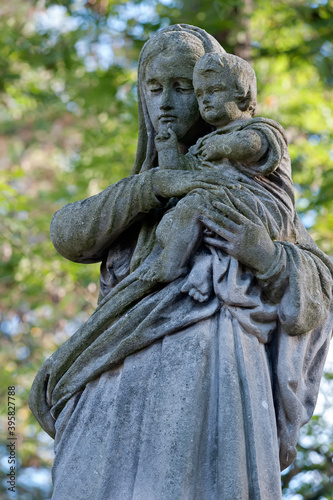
(226,88)
(165,88)
(167,74)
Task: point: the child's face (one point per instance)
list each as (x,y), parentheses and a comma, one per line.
(215,95)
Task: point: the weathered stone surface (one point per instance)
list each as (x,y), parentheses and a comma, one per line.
(204,356)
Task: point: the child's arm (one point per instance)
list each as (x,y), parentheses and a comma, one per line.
(247,146)
(166,143)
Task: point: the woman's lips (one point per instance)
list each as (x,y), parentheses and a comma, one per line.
(167,118)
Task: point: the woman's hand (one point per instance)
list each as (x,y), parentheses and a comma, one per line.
(170,183)
(242,235)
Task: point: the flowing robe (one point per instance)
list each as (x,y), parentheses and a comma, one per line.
(169,399)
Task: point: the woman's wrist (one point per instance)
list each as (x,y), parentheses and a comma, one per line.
(156,182)
(268,262)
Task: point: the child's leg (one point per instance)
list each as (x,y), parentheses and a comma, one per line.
(179,238)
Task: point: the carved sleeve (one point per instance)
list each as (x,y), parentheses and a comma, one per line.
(276,153)
(82,231)
(302,285)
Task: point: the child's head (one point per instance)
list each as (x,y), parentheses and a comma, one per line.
(226,88)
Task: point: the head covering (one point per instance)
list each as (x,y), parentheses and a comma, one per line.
(193,36)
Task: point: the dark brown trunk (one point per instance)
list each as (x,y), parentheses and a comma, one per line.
(243,47)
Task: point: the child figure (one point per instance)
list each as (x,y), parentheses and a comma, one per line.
(252,159)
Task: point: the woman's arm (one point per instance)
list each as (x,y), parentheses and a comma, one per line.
(301,283)
(295,278)
(81,231)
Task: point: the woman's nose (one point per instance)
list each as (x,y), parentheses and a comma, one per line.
(206,99)
(166,100)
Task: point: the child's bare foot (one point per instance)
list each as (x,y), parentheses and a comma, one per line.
(199,282)
(194,293)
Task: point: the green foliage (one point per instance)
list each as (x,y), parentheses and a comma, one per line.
(69,129)
(310,476)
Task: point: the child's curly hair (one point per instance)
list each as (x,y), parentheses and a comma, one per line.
(242,74)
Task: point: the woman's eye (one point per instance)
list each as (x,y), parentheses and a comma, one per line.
(155,90)
(182,88)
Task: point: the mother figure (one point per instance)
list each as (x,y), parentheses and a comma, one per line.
(159,396)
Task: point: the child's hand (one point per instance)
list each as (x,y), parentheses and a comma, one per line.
(214,149)
(161,140)
(166,139)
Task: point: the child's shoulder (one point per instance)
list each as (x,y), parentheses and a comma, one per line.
(259,120)
(270,128)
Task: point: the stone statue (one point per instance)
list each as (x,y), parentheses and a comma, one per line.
(203,359)
(225,86)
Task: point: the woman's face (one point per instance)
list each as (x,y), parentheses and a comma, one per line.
(170,95)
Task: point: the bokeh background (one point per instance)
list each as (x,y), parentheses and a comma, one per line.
(68,129)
